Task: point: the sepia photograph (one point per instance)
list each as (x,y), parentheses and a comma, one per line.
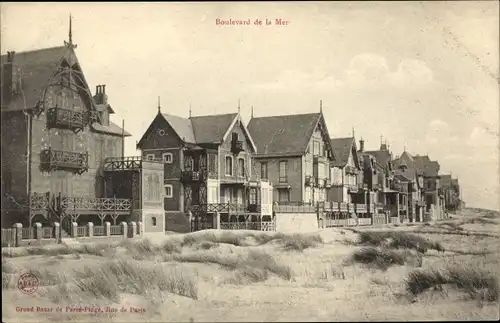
(309,161)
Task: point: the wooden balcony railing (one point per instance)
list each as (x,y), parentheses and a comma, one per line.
(353,188)
(52,159)
(361,208)
(94,204)
(351,170)
(191,176)
(67,119)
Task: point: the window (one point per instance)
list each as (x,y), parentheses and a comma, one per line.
(316,148)
(167,158)
(283,171)
(168,190)
(241,167)
(229,165)
(234,136)
(150,157)
(263,170)
(253,196)
(153,220)
(212,163)
(284,195)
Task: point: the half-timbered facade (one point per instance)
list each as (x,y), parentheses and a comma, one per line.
(294,153)
(207,162)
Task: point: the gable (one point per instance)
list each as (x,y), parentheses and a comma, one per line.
(160,134)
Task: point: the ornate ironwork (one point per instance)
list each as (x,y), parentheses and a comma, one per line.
(122,163)
(190,176)
(60,159)
(95,204)
(65,118)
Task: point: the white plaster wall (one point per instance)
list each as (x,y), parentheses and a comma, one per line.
(296,222)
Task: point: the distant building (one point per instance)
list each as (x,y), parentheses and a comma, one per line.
(434,198)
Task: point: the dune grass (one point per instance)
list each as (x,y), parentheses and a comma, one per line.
(398,239)
(385,258)
(474,281)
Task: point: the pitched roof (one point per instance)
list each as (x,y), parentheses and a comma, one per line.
(424,163)
(410,171)
(383,157)
(182,127)
(37,67)
(283,135)
(211,129)
(201,129)
(342,148)
(113,129)
(445,180)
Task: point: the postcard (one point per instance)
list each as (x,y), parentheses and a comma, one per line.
(250,161)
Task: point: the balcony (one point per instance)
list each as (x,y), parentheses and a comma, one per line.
(236,146)
(350,170)
(310,181)
(51,159)
(190,176)
(352,188)
(361,208)
(66,119)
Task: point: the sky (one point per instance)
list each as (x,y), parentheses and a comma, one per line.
(424,75)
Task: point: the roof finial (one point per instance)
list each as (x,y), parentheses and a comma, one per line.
(69,43)
(252,112)
(321,106)
(353,132)
(159,106)
(238,105)
(190,109)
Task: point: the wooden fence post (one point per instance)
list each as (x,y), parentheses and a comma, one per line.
(19,233)
(57,232)
(107,228)
(38,230)
(90,229)
(74,229)
(133,229)
(124,230)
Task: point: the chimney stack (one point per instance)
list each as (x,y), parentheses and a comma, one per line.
(100,96)
(361,145)
(9,78)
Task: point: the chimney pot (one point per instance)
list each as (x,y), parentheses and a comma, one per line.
(361,145)
(104,89)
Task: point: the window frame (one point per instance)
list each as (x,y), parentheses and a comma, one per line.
(171,195)
(167,154)
(153,221)
(241,170)
(148,157)
(264,165)
(283,179)
(231,170)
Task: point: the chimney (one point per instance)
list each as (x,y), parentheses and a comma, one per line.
(361,145)
(100,96)
(8,78)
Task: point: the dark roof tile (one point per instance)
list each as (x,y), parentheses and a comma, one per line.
(283,135)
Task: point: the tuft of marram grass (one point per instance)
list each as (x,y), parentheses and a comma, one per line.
(253,259)
(474,281)
(300,242)
(385,258)
(128,276)
(398,239)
